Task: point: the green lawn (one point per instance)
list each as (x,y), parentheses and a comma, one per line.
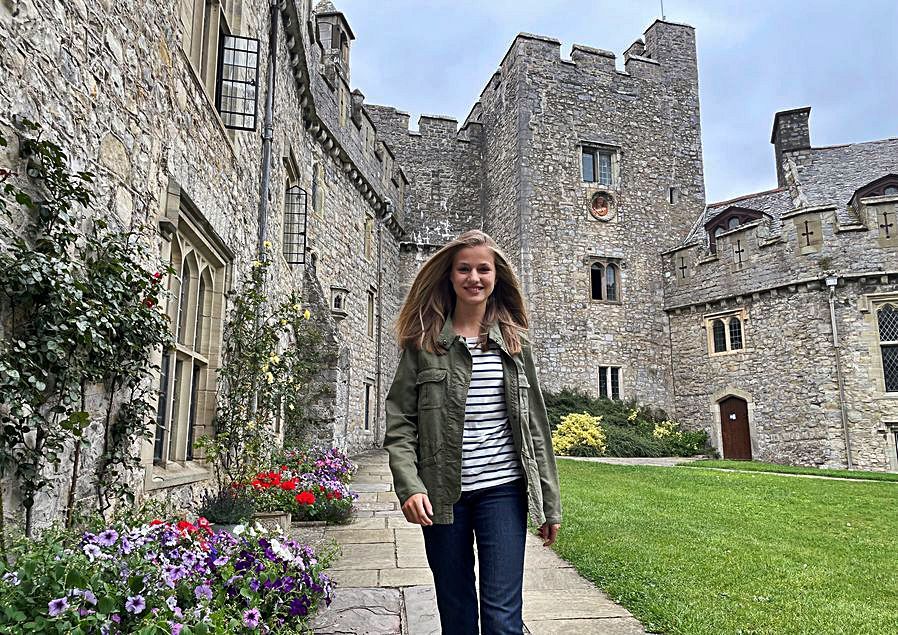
(758,466)
(712,552)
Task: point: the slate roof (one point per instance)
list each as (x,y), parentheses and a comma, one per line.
(825,176)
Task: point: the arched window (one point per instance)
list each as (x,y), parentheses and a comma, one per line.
(890,190)
(735,325)
(202,311)
(611,283)
(887,317)
(720,337)
(187,276)
(596,274)
(317,188)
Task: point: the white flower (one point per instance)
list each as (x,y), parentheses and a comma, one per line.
(239,529)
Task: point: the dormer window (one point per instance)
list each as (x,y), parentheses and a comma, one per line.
(884,186)
(731,218)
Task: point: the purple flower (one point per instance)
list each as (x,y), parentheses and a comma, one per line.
(203,591)
(135,604)
(176,628)
(115,617)
(91,551)
(10,577)
(298,606)
(107,538)
(251,618)
(57,606)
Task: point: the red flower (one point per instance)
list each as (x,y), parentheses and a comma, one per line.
(338,495)
(149,303)
(202,522)
(305,498)
(155,522)
(288,485)
(185,526)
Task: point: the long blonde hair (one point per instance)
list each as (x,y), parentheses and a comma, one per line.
(431,299)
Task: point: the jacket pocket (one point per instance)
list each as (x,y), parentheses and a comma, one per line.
(431,384)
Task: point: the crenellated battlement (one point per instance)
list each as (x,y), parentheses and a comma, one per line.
(805,243)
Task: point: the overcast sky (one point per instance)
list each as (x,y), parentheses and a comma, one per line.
(755,57)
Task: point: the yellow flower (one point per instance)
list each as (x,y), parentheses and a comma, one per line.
(297,308)
(267,244)
(284,322)
(257,263)
(290,407)
(269,378)
(251,424)
(307,314)
(274,359)
(264,368)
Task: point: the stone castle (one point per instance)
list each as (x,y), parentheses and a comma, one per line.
(770,320)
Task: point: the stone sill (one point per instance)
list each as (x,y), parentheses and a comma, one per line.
(176,475)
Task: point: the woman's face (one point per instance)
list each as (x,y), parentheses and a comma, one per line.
(473,274)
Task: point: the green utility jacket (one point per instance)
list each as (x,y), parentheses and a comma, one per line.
(425,411)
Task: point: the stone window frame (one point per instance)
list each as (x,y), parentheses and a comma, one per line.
(186,406)
(339,302)
(721,223)
(606,379)
(595,150)
(203,22)
(727,321)
(368,403)
(604,264)
(890,428)
(371,313)
(889,385)
(368,236)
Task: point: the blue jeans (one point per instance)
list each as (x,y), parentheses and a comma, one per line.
(497,516)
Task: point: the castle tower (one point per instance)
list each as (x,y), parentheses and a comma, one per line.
(590,174)
(335,37)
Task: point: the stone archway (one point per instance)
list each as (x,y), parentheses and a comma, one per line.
(735,433)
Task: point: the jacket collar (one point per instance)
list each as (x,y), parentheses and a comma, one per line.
(448,335)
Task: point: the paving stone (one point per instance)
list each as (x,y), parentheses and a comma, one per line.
(540,557)
(360,612)
(375,507)
(367,497)
(564,605)
(401,523)
(384,513)
(387,497)
(550,578)
(352,535)
(371,487)
(607,626)
(421,614)
(367,523)
(410,576)
(367,556)
(345,578)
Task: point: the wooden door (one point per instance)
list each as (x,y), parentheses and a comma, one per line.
(734,429)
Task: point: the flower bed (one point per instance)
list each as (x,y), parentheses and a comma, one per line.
(306,496)
(177,578)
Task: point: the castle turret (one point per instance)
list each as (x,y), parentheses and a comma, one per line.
(790,133)
(335,37)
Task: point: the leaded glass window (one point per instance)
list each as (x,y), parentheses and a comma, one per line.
(609,382)
(238,79)
(595,272)
(604,159)
(589,170)
(611,283)
(720,337)
(887,317)
(597,166)
(735,333)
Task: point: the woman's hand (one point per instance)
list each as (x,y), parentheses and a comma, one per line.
(417,509)
(548,533)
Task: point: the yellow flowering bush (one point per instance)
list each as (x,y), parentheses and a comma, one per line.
(579,434)
(666,429)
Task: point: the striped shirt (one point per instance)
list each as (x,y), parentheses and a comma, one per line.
(488,456)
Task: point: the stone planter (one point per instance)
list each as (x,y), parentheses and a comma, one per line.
(273,521)
(308,523)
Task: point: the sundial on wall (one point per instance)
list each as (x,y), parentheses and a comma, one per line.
(601,206)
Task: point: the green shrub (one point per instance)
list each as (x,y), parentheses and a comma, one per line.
(579,434)
(627,441)
(630,429)
(227,507)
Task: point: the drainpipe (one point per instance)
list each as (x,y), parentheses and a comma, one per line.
(268,127)
(267,136)
(388,213)
(831,282)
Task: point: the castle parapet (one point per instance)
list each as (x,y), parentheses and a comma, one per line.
(593,58)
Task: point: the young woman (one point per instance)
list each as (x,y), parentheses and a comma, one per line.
(467,433)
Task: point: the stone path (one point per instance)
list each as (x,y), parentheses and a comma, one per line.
(385,588)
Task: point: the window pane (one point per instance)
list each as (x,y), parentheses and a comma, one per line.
(615,383)
(735,334)
(605,168)
(733,223)
(370,314)
(367,406)
(603,381)
(200,310)
(595,273)
(589,166)
(194,389)
(162,409)
(720,337)
(890,367)
(611,283)
(183,300)
(175,428)
(888,323)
